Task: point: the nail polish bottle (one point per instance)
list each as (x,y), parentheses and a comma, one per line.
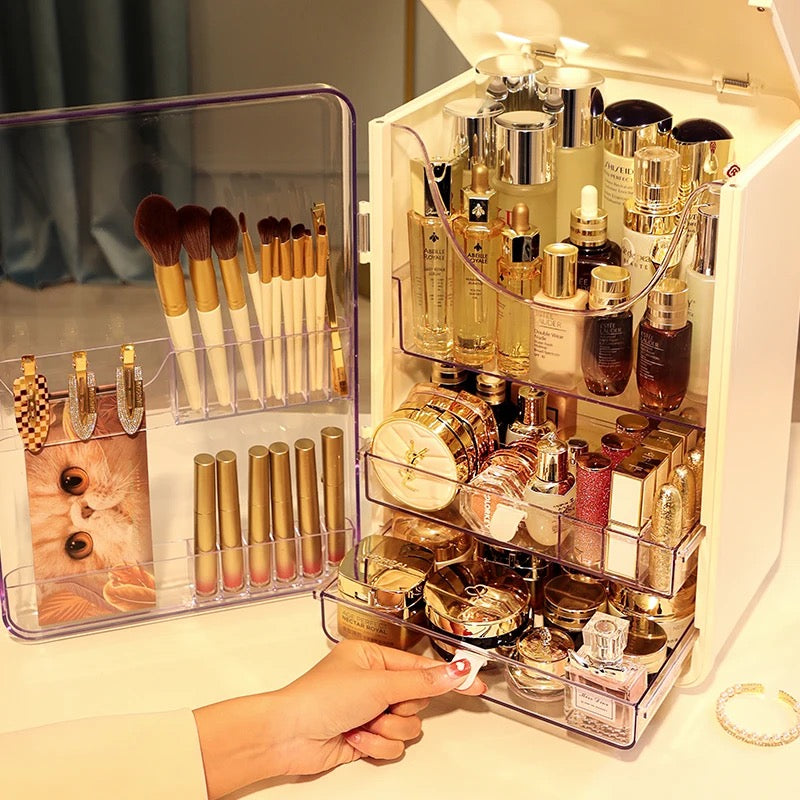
(531,422)
(607,353)
(664,353)
(519,270)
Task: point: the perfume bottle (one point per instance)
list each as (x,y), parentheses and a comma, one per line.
(475,304)
(526,167)
(573,96)
(700,279)
(470,123)
(607,355)
(431,280)
(665,341)
(494,392)
(601,665)
(555,349)
(628,126)
(519,271)
(651,217)
(588,232)
(531,422)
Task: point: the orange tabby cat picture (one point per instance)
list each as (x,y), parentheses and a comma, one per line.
(90,519)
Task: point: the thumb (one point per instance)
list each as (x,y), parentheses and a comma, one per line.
(413,684)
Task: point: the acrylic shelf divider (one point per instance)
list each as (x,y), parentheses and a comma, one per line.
(636,715)
(157,589)
(628,558)
(692,414)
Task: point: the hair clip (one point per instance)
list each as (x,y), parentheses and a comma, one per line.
(32,405)
(130,391)
(82,397)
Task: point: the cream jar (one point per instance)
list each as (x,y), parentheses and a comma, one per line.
(449,545)
(571,600)
(547,650)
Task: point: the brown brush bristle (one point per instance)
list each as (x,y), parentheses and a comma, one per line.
(323,231)
(156,227)
(242,222)
(267,229)
(195,226)
(285,229)
(224,233)
(298,230)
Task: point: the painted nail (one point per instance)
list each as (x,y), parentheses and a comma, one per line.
(457,669)
(354,737)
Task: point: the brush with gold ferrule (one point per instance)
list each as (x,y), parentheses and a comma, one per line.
(305,471)
(258,517)
(267,233)
(156,227)
(277,312)
(287,301)
(310,304)
(225,241)
(282,512)
(253,277)
(320,286)
(298,266)
(195,227)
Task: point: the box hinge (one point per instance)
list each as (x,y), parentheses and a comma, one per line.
(545,53)
(363,232)
(728,85)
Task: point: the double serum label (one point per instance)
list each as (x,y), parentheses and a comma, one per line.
(617,179)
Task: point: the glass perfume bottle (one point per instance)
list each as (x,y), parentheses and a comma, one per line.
(650,217)
(607,355)
(526,167)
(664,352)
(555,347)
(519,271)
(573,96)
(531,422)
(588,232)
(601,665)
(431,280)
(628,126)
(475,304)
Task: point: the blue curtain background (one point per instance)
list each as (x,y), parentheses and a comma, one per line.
(67,192)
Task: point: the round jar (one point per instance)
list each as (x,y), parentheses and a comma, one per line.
(547,650)
(647,644)
(570,601)
(449,545)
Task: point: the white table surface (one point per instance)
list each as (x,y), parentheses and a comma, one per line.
(468,749)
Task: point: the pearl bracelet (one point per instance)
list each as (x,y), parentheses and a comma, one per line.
(750,737)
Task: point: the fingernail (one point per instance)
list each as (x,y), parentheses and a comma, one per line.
(353,738)
(457,669)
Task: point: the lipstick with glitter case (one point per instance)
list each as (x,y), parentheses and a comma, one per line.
(593,494)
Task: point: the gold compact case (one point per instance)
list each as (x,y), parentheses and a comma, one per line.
(546,649)
(449,545)
(387,575)
(571,600)
(478,602)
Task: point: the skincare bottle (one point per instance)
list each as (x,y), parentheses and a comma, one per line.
(555,349)
(519,271)
(573,96)
(651,217)
(700,280)
(588,233)
(475,304)
(494,392)
(607,356)
(451,377)
(526,168)
(531,422)
(431,281)
(706,151)
(628,126)
(510,79)
(601,665)
(664,352)
(470,124)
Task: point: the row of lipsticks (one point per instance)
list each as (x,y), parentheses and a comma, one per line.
(269,553)
(288,292)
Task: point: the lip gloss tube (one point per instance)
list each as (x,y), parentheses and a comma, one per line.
(305,460)
(230,523)
(333,488)
(258,517)
(282,513)
(206,581)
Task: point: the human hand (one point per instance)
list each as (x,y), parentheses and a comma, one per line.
(360,700)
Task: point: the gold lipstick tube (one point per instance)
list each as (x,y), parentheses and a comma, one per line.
(230,523)
(665,531)
(206,582)
(258,517)
(333,491)
(282,513)
(305,460)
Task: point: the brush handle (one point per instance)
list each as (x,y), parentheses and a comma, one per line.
(255,294)
(287,304)
(241,330)
(320,284)
(297,301)
(266,332)
(180,333)
(214,340)
(277,342)
(311,326)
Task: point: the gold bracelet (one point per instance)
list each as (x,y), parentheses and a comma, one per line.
(761,739)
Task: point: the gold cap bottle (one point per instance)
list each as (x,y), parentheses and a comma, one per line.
(609,286)
(560,270)
(668,304)
(656,179)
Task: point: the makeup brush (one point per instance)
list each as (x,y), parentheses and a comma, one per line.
(195,227)
(287,303)
(156,227)
(225,241)
(310,306)
(277,310)
(252,273)
(266,233)
(298,265)
(320,284)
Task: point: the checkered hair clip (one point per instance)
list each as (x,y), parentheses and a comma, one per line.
(32,406)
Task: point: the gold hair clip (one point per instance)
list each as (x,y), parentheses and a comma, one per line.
(130,391)
(82,397)
(32,405)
